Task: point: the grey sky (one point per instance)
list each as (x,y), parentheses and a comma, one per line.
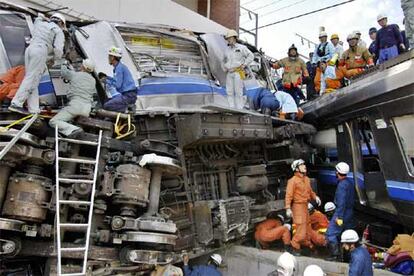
(276,39)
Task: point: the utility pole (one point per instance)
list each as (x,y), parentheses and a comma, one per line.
(256,18)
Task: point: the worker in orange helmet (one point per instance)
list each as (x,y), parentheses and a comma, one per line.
(298,194)
(272,229)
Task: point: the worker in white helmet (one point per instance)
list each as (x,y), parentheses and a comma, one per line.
(324,50)
(287,265)
(82,88)
(329,209)
(313,270)
(344,212)
(236,60)
(361,42)
(122,81)
(47,40)
(360,263)
(298,194)
(211,269)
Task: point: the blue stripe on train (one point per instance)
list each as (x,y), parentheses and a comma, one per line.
(400,190)
(329,177)
(46,86)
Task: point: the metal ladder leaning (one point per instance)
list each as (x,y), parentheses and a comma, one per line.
(16,138)
(79,227)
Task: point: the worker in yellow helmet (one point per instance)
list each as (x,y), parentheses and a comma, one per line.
(337,45)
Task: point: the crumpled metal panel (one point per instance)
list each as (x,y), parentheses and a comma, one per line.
(216,45)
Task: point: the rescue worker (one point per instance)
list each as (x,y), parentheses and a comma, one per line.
(272,229)
(318,221)
(389,40)
(298,194)
(47,40)
(339,50)
(293,69)
(313,270)
(329,209)
(344,212)
(324,50)
(356,59)
(10,82)
(360,263)
(310,86)
(287,106)
(80,94)
(211,269)
(287,265)
(361,42)
(236,60)
(328,78)
(122,81)
(408,9)
(262,99)
(372,47)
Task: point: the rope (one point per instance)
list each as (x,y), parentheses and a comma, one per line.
(6,128)
(119,128)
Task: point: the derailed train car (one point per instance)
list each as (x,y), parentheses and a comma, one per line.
(184,178)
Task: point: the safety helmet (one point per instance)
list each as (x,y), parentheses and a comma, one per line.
(310,207)
(351,36)
(329,207)
(349,236)
(59,16)
(217,259)
(288,226)
(281,217)
(357,32)
(231,33)
(322,34)
(313,270)
(372,30)
(297,163)
(115,51)
(293,47)
(286,264)
(342,168)
(381,16)
(88,64)
(333,36)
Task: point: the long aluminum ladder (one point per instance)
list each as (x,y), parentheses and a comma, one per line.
(19,134)
(75,227)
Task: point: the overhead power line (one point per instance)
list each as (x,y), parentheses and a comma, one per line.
(282,8)
(304,14)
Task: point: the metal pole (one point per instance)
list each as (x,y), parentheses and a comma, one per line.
(255,34)
(257,29)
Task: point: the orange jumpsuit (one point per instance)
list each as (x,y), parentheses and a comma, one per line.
(318,220)
(331,84)
(298,195)
(271,230)
(11,82)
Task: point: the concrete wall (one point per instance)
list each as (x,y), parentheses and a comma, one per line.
(246,261)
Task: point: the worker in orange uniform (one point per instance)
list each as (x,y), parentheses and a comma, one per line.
(298,194)
(356,59)
(10,82)
(319,222)
(272,229)
(328,78)
(294,67)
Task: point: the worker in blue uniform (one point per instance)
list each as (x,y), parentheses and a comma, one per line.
(262,99)
(211,269)
(373,47)
(361,263)
(343,216)
(122,81)
(389,40)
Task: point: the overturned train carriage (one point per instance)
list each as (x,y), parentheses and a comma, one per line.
(185,179)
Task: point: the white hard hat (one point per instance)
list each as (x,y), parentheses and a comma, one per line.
(357,32)
(349,236)
(329,206)
(381,16)
(286,264)
(313,270)
(350,36)
(288,226)
(296,164)
(322,34)
(281,217)
(217,259)
(342,168)
(59,16)
(115,51)
(88,64)
(310,206)
(231,33)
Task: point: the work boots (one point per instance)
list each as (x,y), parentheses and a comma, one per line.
(335,252)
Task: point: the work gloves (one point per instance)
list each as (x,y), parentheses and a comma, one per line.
(339,222)
(289,213)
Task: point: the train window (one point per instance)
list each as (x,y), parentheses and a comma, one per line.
(404,126)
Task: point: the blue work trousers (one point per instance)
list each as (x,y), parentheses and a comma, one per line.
(296,94)
(387,54)
(120,102)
